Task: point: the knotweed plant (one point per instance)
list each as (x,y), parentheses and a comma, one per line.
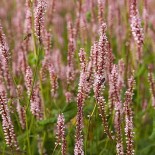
(67,84)
(136,28)
(61,140)
(7,124)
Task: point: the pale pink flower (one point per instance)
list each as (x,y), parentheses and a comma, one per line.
(129,117)
(115,98)
(70,56)
(152,85)
(28,23)
(61,139)
(100,68)
(5,57)
(7,124)
(36,104)
(100,12)
(81,96)
(69,96)
(53,80)
(39,19)
(136,28)
(28,80)
(79,147)
(22,115)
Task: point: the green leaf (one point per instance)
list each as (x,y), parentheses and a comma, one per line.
(70,111)
(47,121)
(31,59)
(141,71)
(152,137)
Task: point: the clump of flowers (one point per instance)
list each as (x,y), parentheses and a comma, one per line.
(100,69)
(28,80)
(22,115)
(129,117)
(70,55)
(61,139)
(5,57)
(39,19)
(118,108)
(78,149)
(53,80)
(152,85)
(136,28)
(36,104)
(7,124)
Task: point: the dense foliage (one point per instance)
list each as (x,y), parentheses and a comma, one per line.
(77,77)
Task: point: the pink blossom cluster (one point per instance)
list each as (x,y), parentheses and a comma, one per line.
(61,140)
(29,80)
(114,92)
(36,104)
(129,117)
(39,19)
(5,57)
(53,80)
(100,66)
(136,28)
(7,124)
(152,85)
(22,115)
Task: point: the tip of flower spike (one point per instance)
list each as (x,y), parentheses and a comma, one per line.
(103,28)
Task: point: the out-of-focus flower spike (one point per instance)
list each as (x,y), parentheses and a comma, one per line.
(90,71)
(28,23)
(152,85)
(110,59)
(68,96)
(39,19)
(82,56)
(4,49)
(70,55)
(79,11)
(47,41)
(1,72)
(22,61)
(83,28)
(136,28)
(51,11)
(114,88)
(22,115)
(93,19)
(95,56)
(47,57)
(53,80)
(121,69)
(145,15)
(7,124)
(28,80)
(28,20)
(100,12)
(36,104)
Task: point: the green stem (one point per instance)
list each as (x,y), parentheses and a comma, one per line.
(55,148)
(87,134)
(27,135)
(34,77)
